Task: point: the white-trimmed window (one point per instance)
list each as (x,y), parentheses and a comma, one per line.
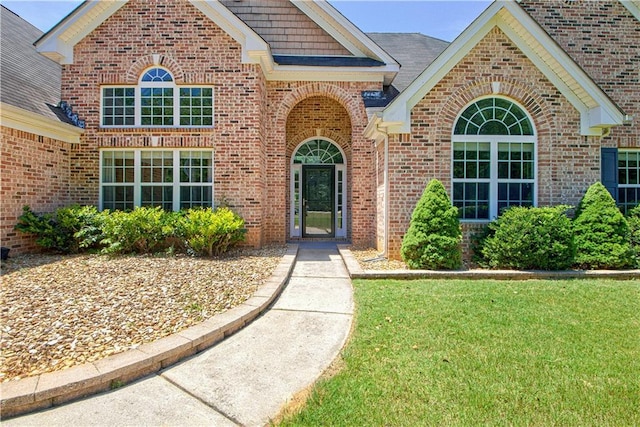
(157,102)
(171,179)
(628,179)
(493,159)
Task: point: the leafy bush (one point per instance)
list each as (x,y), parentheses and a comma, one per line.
(62,230)
(142,230)
(434,235)
(530,238)
(633,219)
(601,232)
(211,232)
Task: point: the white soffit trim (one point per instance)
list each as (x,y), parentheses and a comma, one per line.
(58,43)
(633,6)
(27,121)
(343,30)
(596,108)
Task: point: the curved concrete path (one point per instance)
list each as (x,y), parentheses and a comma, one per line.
(247,378)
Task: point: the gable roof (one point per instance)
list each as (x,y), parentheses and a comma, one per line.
(58,43)
(413,51)
(597,110)
(30,83)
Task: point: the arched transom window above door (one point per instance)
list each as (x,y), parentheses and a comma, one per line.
(318,151)
(493,159)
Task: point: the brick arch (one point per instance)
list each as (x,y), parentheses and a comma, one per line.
(134,71)
(533,103)
(325,89)
(336,137)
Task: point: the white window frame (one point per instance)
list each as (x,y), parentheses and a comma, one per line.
(339,168)
(625,206)
(157,84)
(494,141)
(138,184)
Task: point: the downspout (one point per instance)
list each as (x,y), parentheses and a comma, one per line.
(387,195)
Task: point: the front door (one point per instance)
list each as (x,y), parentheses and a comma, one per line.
(318,201)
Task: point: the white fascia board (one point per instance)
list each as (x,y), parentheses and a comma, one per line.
(325,74)
(633,6)
(58,43)
(27,121)
(343,30)
(399,111)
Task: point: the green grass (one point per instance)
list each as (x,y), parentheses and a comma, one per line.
(534,353)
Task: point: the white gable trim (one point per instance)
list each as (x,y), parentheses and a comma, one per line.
(597,111)
(58,43)
(27,121)
(633,6)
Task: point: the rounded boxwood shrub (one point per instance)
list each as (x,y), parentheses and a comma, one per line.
(633,219)
(434,235)
(530,238)
(601,232)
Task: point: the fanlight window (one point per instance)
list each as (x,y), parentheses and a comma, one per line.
(157,75)
(493,159)
(493,116)
(318,151)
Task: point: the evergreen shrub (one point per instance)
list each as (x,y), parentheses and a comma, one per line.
(530,238)
(434,235)
(142,230)
(633,219)
(601,232)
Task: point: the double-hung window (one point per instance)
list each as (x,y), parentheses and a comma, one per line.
(621,175)
(493,159)
(156,101)
(171,179)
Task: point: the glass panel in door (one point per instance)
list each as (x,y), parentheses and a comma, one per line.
(318,200)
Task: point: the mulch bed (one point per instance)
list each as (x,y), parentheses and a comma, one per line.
(59,311)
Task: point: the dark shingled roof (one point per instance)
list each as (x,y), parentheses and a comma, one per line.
(326,61)
(413,51)
(27,79)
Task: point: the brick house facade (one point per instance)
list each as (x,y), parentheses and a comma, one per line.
(309,129)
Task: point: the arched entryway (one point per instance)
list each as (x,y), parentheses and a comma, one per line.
(318,190)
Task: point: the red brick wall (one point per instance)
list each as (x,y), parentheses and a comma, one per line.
(603,37)
(35,172)
(567,162)
(196,51)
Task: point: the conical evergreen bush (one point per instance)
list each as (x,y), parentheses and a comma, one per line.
(433,239)
(601,232)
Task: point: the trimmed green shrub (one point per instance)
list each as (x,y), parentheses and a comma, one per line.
(633,219)
(530,238)
(434,235)
(601,232)
(142,230)
(62,230)
(211,232)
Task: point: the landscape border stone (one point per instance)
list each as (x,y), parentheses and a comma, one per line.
(357,272)
(54,388)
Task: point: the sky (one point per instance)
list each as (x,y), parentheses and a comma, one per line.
(443,19)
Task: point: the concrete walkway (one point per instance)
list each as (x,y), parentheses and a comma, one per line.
(247,378)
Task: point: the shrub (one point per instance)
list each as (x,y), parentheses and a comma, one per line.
(530,238)
(433,238)
(601,232)
(143,230)
(62,230)
(211,232)
(633,219)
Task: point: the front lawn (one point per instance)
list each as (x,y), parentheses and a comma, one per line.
(439,352)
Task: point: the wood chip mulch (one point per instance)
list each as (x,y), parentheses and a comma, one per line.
(370,259)
(60,311)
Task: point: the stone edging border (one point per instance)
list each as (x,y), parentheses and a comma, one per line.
(54,388)
(356,272)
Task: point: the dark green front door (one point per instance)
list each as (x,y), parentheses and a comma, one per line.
(318,201)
